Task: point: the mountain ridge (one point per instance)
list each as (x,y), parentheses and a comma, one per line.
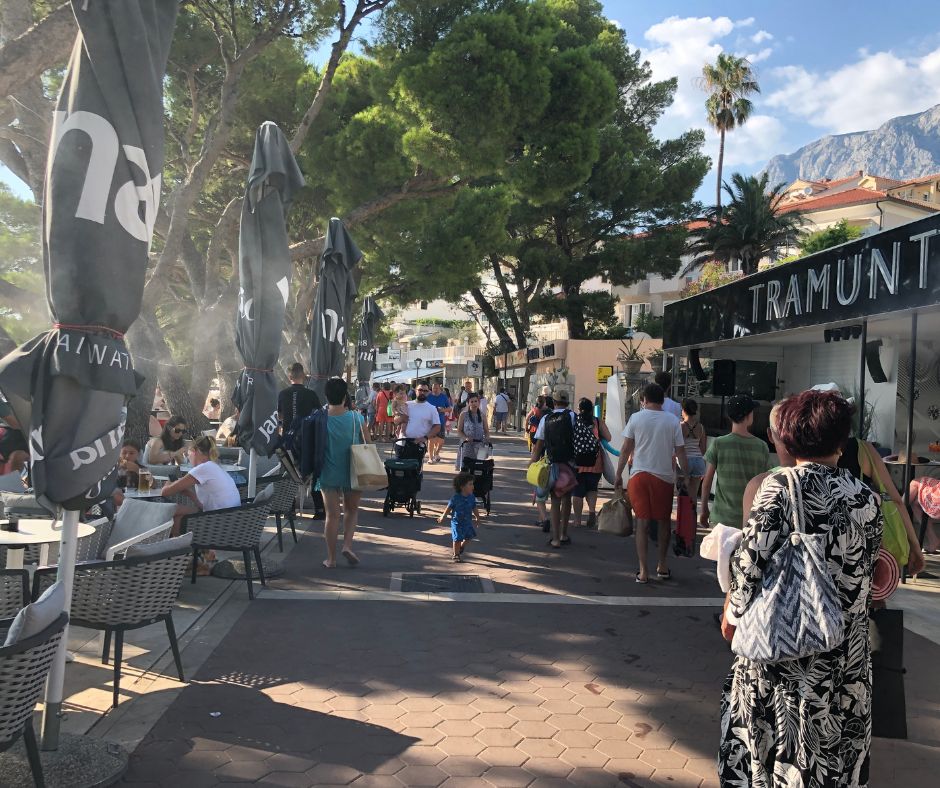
(904,147)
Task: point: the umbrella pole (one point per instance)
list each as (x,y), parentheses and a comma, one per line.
(252,473)
(52,714)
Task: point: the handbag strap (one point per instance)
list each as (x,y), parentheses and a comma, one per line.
(362,430)
(875,476)
(796,499)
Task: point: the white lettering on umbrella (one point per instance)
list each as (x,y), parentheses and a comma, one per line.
(283,287)
(269,427)
(100,170)
(335,331)
(36,450)
(129,197)
(85,455)
(244,307)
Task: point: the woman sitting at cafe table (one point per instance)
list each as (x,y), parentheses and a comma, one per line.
(168,446)
(206,484)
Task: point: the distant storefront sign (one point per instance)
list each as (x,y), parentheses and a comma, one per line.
(394,355)
(434,363)
(604,372)
(890,271)
(474,369)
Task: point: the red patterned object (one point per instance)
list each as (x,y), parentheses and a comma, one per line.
(929,497)
(885,578)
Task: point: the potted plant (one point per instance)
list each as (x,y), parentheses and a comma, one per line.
(630,357)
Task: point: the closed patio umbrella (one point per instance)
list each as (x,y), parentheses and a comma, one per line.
(69,386)
(264,279)
(331,310)
(365,348)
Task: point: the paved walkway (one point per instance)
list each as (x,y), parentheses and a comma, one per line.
(557,669)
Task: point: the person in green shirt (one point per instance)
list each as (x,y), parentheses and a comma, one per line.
(731,462)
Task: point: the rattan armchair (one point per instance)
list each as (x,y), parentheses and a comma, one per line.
(117,596)
(24,667)
(237,529)
(14,591)
(284,504)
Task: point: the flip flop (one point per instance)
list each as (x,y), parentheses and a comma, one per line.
(351,558)
(667,575)
(566,540)
(637,578)
(553,546)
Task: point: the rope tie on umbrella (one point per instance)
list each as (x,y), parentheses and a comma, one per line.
(89,329)
(258,369)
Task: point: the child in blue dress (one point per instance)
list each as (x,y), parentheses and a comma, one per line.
(462,509)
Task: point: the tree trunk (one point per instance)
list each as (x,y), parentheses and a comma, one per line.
(721,162)
(487,309)
(208,324)
(509,301)
(574,309)
(35,49)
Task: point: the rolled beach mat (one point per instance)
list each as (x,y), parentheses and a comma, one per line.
(886,576)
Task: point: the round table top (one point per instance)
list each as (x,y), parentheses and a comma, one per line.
(150,494)
(34,531)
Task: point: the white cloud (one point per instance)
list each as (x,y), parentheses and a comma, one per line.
(860,95)
(745,22)
(757,57)
(681,46)
(761,36)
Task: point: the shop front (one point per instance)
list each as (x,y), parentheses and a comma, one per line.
(864,315)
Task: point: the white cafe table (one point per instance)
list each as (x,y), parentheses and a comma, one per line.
(149,495)
(34,531)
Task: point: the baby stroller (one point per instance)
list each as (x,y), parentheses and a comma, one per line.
(404,477)
(479,463)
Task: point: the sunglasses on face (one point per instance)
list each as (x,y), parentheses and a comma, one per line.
(178,430)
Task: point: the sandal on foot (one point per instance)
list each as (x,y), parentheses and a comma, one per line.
(351,558)
(554,546)
(566,540)
(667,575)
(456,559)
(644,580)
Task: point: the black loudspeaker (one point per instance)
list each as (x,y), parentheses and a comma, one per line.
(723,371)
(696,365)
(888,707)
(873,361)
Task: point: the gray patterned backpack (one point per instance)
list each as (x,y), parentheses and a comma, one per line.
(797,611)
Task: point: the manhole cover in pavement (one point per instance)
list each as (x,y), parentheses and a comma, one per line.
(439,584)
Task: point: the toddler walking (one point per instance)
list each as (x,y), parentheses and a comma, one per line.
(463,511)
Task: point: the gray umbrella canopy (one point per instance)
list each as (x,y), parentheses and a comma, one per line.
(264,277)
(69,386)
(365,347)
(331,311)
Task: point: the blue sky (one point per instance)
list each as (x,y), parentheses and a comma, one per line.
(824,68)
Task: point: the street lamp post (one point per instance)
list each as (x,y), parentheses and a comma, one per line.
(418,362)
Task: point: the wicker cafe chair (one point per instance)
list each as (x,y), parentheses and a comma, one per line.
(117,596)
(283,503)
(23,670)
(14,591)
(237,529)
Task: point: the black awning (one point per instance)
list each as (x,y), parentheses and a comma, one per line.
(891,271)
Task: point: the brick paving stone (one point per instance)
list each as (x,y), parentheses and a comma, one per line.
(583,756)
(676,777)
(536,713)
(461,745)
(494,719)
(508,777)
(286,780)
(541,748)
(286,762)
(499,737)
(377,781)
(503,756)
(421,776)
(463,766)
(568,722)
(531,729)
(242,771)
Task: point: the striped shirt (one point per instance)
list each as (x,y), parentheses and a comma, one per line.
(737,460)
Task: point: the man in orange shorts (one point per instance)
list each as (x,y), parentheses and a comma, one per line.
(652,438)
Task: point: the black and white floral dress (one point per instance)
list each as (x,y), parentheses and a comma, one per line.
(805,723)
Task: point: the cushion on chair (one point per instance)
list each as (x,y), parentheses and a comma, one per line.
(265,495)
(184,542)
(137,516)
(12,482)
(23,503)
(34,618)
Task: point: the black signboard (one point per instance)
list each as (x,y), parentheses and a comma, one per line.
(890,271)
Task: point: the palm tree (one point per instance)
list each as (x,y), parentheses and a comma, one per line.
(728,81)
(751,227)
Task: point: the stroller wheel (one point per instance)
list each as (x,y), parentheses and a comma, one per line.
(411,509)
(386,508)
(486,501)
(418,507)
